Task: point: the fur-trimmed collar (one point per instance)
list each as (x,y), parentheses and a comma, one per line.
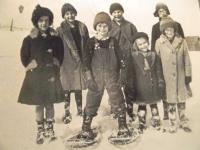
(175,43)
(35,33)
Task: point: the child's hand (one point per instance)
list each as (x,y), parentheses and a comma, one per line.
(188,79)
(91,84)
(32,65)
(56,62)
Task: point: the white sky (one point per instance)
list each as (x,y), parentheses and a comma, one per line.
(139,12)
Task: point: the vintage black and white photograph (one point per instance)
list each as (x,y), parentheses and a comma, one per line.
(99,74)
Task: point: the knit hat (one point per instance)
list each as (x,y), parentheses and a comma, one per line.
(159,6)
(102,17)
(39,12)
(138,35)
(68,7)
(116,6)
(167,22)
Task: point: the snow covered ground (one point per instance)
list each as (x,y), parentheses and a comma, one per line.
(17,121)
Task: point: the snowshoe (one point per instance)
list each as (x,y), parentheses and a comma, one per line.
(123,137)
(81,139)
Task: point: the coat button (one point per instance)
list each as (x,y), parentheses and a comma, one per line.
(52,79)
(49,50)
(49,65)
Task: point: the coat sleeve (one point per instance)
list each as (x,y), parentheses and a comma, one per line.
(154,37)
(133,29)
(187,62)
(159,70)
(59,51)
(87,55)
(25,53)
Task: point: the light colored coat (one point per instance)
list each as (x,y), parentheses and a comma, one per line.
(176,66)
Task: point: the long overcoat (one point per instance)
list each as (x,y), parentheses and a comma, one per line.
(72,67)
(42,84)
(176,66)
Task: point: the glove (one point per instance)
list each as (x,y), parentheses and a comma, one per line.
(188,79)
(32,65)
(91,84)
(162,91)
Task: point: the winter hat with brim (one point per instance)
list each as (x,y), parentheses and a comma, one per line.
(68,7)
(40,12)
(102,17)
(116,6)
(159,6)
(167,23)
(138,35)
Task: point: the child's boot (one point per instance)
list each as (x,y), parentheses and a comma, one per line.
(142,120)
(172,118)
(86,133)
(67,118)
(40,133)
(183,119)
(49,131)
(155,120)
(165,109)
(123,130)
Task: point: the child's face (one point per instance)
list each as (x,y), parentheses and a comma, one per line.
(142,44)
(162,13)
(43,23)
(102,29)
(169,32)
(69,16)
(117,15)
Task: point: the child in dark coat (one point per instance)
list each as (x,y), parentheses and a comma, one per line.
(123,31)
(146,79)
(42,55)
(162,12)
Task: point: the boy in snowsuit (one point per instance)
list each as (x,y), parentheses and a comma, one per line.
(146,78)
(123,30)
(173,51)
(74,35)
(102,66)
(162,11)
(42,55)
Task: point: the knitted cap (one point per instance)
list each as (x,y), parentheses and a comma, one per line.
(166,23)
(68,7)
(102,17)
(159,6)
(138,35)
(116,6)
(39,12)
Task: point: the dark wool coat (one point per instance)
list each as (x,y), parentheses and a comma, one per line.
(123,33)
(71,69)
(145,82)
(41,85)
(176,66)
(155,34)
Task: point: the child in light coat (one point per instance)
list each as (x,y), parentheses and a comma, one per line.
(173,51)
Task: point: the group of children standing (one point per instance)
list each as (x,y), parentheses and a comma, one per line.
(117,58)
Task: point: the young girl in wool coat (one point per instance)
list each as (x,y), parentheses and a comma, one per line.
(145,76)
(173,51)
(42,55)
(74,35)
